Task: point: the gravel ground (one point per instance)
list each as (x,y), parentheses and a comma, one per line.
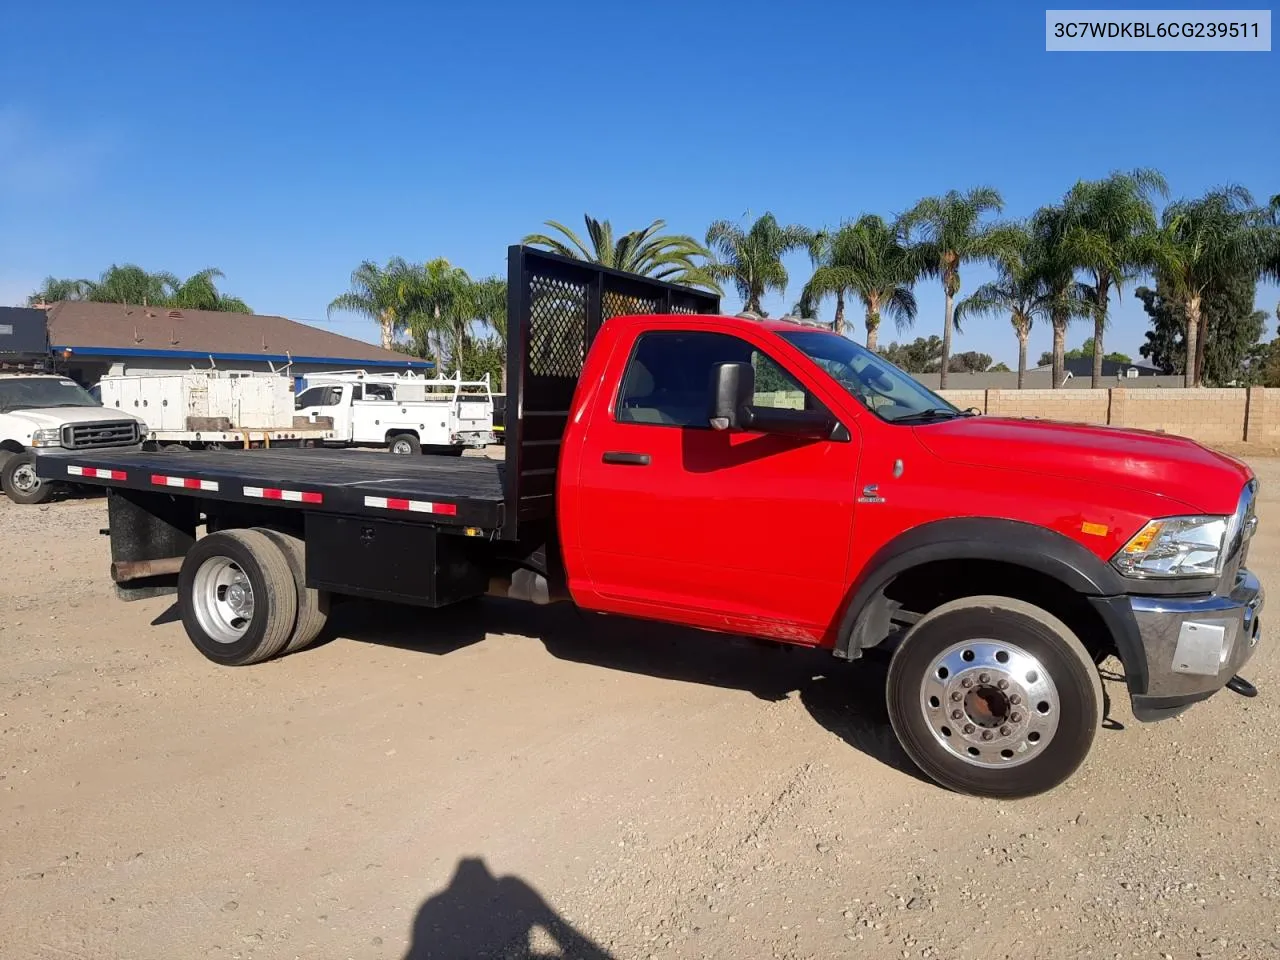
(508,782)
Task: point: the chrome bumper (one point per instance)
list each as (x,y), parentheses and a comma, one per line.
(1194,645)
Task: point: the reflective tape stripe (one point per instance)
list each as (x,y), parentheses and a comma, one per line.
(187,483)
(96,473)
(273,493)
(413,506)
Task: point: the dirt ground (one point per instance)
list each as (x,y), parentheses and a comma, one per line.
(502,781)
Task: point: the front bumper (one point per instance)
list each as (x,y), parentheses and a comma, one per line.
(1194,645)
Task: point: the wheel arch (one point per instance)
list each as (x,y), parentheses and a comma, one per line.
(11,446)
(936,562)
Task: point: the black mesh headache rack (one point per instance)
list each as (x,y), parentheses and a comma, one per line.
(555,306)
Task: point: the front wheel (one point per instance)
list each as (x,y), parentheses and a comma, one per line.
(994,697)
(20,483)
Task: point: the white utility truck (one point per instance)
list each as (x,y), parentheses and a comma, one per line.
(42,410)
(212,409)
(404,412)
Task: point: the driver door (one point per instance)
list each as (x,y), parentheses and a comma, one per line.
(737,530)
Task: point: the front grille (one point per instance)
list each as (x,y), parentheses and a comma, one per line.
(108,433)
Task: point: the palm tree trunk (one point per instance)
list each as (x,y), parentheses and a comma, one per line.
(1059,348)
(1191,375)
(840,312)
(948,322)
(873,330)
(1202,343)
(387,327)
(1103,282)
(1022,357)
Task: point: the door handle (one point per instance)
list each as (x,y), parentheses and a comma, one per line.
(626,459)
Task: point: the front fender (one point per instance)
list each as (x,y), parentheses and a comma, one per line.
(972,538)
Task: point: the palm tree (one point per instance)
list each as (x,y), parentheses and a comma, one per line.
(1202,241)
(132,285)
(752,259)
(440,308)
(1022,290)
(1054,265)
(867,258)
(951,231)
(676,258)
(491,312)
(1112,222)
(54,289)
(199,292)
(380,293)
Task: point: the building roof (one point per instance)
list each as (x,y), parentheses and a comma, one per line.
(122,330)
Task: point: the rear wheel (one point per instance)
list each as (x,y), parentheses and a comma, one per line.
(313,605)
(994,697)
(237,597)
(404,444)
(19,481)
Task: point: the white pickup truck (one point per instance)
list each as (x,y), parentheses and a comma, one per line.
(41,411)
(404,413)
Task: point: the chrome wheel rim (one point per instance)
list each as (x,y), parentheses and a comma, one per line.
(222,598)
(24,478)
(401,446)
(990,704)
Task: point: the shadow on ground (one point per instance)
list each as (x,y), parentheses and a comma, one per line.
(845,698)
(479,915)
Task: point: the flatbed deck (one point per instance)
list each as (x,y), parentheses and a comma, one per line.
(463,491)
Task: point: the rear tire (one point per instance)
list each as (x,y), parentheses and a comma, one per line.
(313,605)
(237,597)
(994,697)
(404,445)
(20,483)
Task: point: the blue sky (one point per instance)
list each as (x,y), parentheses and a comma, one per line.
(285,144)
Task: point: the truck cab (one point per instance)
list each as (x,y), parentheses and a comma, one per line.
(43,411)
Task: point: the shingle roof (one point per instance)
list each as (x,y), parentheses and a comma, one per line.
(134,329)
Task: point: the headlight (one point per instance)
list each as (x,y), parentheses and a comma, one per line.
(1175,547)
(46,438)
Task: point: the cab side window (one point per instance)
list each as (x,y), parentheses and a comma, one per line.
(668,378)
(309,398)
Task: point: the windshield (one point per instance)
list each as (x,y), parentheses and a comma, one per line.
(878,385)
(34,393)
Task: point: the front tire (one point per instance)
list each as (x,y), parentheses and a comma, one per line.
(237,597)
(20,483)
(994,697)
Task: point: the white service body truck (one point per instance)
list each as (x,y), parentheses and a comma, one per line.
(405,413)
(212,409)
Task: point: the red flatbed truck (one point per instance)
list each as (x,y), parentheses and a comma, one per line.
(754,477)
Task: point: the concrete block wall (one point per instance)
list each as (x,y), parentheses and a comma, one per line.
(1211,415)
(1222,415)
(1263,425)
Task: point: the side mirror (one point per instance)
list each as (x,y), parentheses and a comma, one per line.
(732,387)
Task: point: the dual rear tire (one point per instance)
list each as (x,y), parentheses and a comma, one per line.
(243,597)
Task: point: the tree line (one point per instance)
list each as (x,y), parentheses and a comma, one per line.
(129,283)
(1060,265)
